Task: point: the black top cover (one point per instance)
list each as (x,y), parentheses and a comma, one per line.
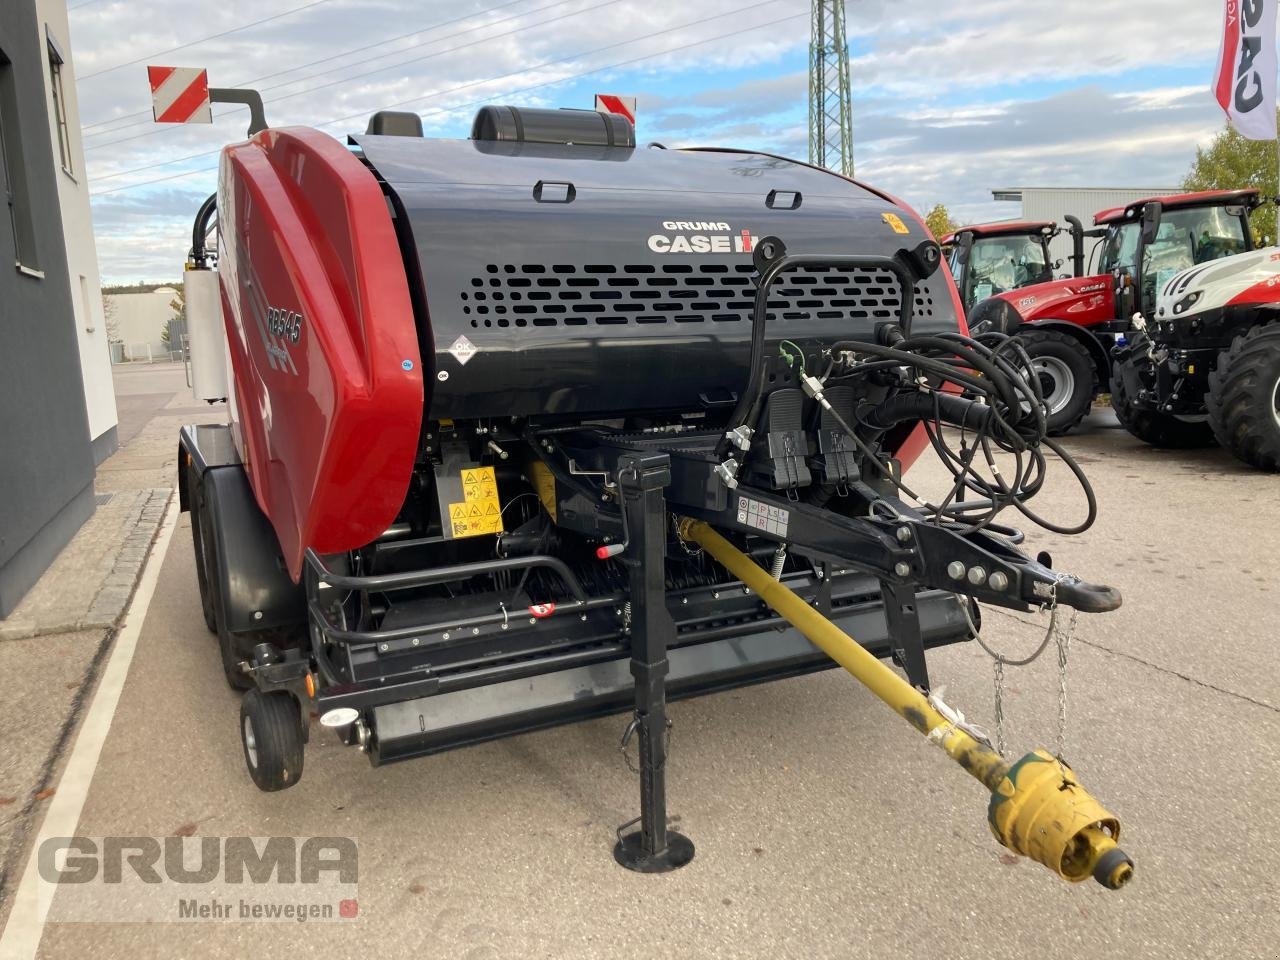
(594,280)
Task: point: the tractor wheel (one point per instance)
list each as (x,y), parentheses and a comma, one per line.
(195,502)
(1244,397)
(1151,426)
(228,645)
(271,734)
(1068,377)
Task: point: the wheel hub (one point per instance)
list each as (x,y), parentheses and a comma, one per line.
(1057,382)
(250,743)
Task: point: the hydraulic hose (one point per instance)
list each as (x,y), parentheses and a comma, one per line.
(199,255)
(1037,807)
(955,410)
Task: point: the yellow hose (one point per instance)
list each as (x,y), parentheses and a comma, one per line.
(1037,807)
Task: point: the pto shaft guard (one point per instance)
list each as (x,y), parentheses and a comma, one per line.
(1040,811)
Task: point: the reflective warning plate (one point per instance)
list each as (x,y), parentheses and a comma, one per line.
(463,349)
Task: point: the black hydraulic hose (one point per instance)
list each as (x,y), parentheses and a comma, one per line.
(459,571)
(950,408)
(199,256)
(1012,420)
(747,410)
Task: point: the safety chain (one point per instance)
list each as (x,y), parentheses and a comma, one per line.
(628,733)
(1062,639)
(1064,645)
(999,704)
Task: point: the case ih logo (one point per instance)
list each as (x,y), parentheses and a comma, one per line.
(701,236)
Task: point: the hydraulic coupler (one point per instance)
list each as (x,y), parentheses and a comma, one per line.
(1037,808)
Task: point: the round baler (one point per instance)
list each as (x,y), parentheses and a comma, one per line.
(505,414)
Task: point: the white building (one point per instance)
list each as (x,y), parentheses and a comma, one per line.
(1053,203)
(138,321)
(77,226)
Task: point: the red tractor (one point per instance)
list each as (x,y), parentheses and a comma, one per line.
(1069,326)
(991,258)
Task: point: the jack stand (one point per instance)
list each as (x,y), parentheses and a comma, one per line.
(652,848)
(903,622)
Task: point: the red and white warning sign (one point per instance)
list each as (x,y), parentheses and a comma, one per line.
(180,94)
(611,103)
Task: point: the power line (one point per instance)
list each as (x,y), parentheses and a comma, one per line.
(536,86)
(482,26)
(424,57)
(302,66)
(455,89)
(212,36)
(547,63)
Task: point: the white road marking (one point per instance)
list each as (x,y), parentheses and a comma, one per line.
(21,936)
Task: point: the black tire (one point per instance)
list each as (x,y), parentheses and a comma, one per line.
(271,736)
(1151,426)
(195,503)
(1068,376)
(228,645)
(1243,397)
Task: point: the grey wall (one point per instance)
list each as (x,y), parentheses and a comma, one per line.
(46,463)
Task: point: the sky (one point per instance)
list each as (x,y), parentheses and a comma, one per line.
(950,100)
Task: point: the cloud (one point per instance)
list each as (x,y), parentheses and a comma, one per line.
(950,100)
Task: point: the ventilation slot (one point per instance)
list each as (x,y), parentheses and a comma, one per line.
(548,295)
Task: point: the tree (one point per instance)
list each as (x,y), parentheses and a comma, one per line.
(939,221)
(110,321)
(179,307)
(1231,162)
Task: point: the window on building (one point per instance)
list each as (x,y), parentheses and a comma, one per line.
(58,91)
(13,174)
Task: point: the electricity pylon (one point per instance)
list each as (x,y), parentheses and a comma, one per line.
(830,112)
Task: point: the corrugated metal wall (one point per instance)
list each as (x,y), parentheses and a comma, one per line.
(1052,203)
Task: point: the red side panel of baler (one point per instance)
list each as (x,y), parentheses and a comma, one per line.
(324,350)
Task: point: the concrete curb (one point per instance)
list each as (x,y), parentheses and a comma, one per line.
(117,569)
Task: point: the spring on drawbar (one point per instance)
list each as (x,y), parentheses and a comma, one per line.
(779,560)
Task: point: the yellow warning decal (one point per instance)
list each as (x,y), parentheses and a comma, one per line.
(545,485)
(479,511)
(895,221)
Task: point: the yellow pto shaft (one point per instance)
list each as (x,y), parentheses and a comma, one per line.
(1037,808)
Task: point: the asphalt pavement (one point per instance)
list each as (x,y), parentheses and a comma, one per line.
(824,825)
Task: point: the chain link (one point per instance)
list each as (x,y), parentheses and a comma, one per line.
(1064,646)
(999,662)
(628,733)
(1061,637)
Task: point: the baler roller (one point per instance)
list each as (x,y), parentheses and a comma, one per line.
(1037,808)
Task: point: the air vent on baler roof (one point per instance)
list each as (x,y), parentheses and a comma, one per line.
(544,295)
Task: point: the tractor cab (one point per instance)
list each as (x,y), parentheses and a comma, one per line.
(1148,242)
(1069,326)
(992,258)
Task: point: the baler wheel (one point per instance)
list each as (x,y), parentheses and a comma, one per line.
(1244,397)
(271,735)
(1068,377)
(228,645)
(1152,426)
